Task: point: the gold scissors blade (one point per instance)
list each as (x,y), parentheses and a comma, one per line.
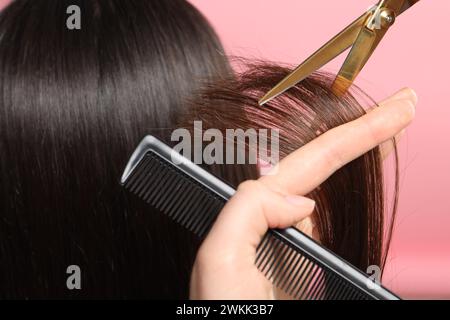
(326,53)
(360,34)
(357,58)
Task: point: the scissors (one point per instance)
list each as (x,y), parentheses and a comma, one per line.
(364,34)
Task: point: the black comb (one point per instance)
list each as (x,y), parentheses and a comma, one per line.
(194,197)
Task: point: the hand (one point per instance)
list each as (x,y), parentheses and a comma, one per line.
(224,267)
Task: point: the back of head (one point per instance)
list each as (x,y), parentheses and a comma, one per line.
(73,106)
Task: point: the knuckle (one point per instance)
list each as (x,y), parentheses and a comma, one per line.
(333,154)
(373,134)
(333,157)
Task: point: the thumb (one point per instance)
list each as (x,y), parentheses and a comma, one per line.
(252,211)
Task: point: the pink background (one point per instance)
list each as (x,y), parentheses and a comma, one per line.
(414,53)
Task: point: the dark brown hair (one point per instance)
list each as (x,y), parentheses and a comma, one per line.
(350,204)
(74,104)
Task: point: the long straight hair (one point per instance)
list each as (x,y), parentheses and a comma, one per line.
(350,209)
(73,106)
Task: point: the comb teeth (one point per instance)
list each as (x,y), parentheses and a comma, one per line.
(193,198)
(174,193)
(300,275)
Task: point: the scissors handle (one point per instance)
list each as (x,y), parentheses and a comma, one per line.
(365,33)
(383,17)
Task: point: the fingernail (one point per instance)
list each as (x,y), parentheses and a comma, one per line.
(300,201)
(264,167)
(406,94)
(412,109)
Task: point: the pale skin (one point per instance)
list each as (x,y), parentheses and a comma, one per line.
(224,267)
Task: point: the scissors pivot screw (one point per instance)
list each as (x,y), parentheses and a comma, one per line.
(387,17)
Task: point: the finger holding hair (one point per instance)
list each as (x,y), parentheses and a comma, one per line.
(317,160)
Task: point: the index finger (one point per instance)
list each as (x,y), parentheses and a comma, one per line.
(306,168)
